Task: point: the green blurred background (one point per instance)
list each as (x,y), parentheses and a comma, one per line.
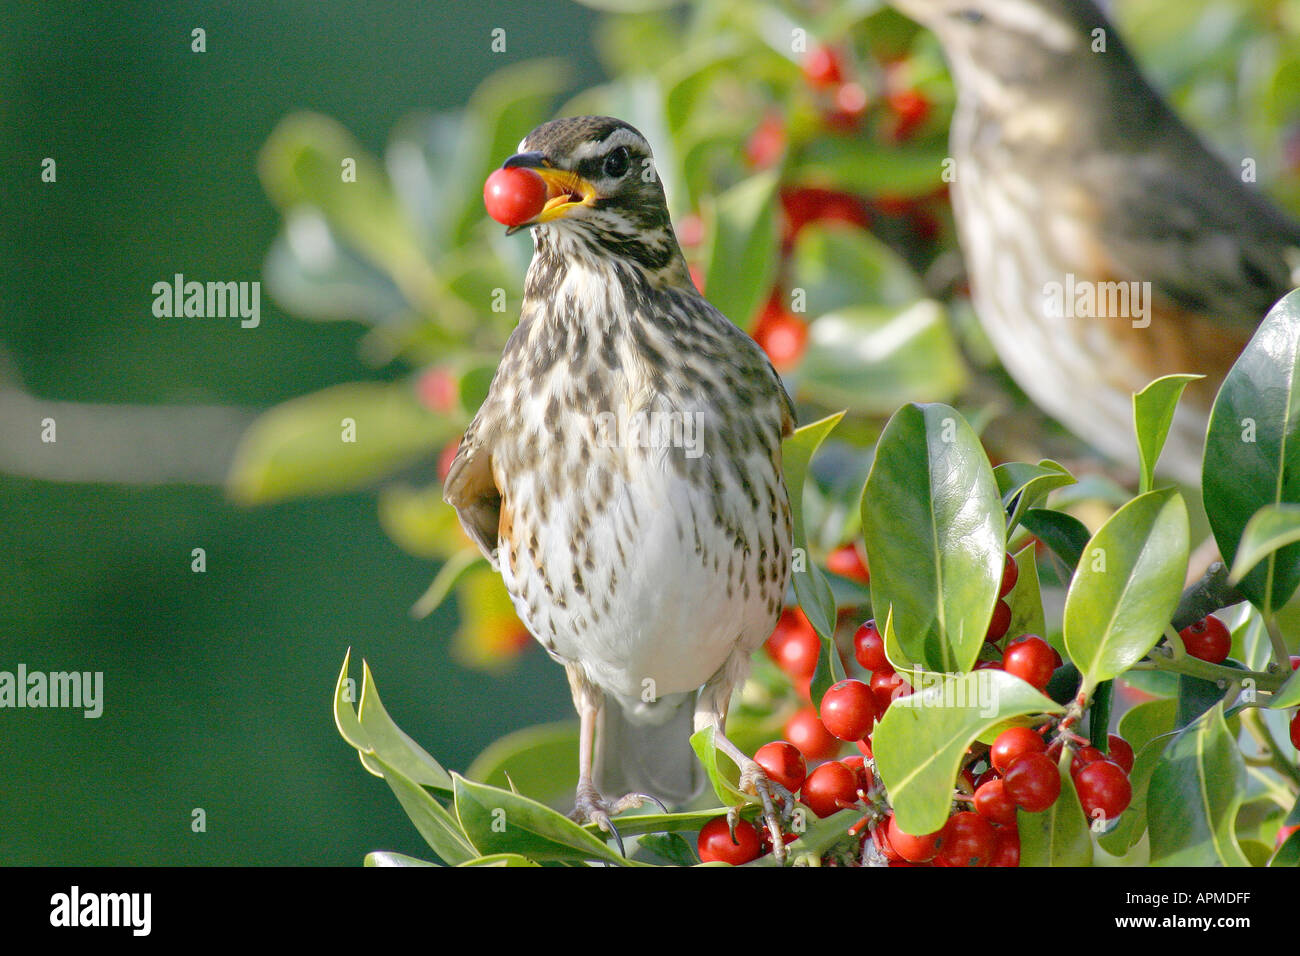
(217,685)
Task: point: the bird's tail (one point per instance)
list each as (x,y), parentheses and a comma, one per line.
(648,753)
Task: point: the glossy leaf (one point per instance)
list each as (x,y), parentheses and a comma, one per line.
(935,537)
(392,744)
(1153,413)
(1127,586)
(810,584)
(338,439)
(1252,453)
(1270,529)
(498,821)
(388,858)
(1059,835)
(1024,486)
(1195,791)
(541,761)
(1065,534)
(920,742)
(722,772)
(1026,598)
(434,822)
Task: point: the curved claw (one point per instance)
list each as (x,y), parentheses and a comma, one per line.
(630,800)
(754,779)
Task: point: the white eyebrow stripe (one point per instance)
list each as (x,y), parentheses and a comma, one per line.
(620,137)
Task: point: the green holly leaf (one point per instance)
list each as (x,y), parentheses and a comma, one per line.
(1153,413)
(920,742)
(810,584)
(498,821)
(1127,586)
(1024,486)
(935,535)
(1252,451)
(1057,836)
(1196,789)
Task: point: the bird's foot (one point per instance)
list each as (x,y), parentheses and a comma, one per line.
(753,779)
(591,807)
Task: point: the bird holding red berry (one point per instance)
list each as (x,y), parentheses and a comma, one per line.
(650,560)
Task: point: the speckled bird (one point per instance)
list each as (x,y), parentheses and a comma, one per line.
(624,474)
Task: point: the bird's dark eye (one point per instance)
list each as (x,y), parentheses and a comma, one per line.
(970,15)
(616,163)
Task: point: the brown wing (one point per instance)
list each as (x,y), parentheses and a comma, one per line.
(472,491)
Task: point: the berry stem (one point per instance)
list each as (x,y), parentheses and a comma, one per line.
(1256,727)
(1281,653)
(1163,659)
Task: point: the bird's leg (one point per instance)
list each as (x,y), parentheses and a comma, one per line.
(711,711)
(590,806)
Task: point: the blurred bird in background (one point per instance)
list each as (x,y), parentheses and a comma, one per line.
(1105,244)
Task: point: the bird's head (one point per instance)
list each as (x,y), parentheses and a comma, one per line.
(603,191)
(997,44)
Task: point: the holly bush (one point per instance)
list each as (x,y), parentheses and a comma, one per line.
(999,616)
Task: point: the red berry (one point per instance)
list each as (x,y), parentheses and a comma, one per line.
(910,109)
(782,335)
(1033,782)
(968,840)
(514,196)
(869,648)
(1000,621)
(992,803)
(805,204)
(690,230)
(810,735)
(794,645)
(1295,730)
(1007,851)
(1120,751)
(766,144)
(859,767)
(438,389)
(847,562)
(888,686)
(1010,574)
(1084,756)
(1284,834)
(1030,659)
(1207,639)
(850,105)
(823,67)
(1104,789)
(697,278)
(1012,743)
(849,710)
(783,764)
(830,788)
(914,849)
(715,843)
